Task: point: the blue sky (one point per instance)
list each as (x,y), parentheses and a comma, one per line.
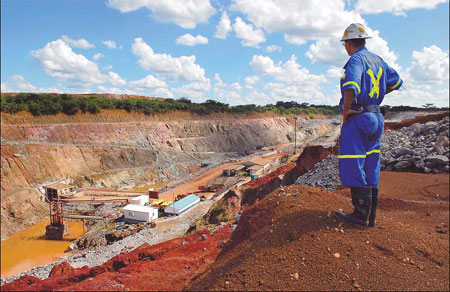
(234,51)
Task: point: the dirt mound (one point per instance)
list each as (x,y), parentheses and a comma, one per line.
(289,241)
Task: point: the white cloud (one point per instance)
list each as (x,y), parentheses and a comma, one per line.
(81,43)
(335,72)
(148,81)
(167,67)
(330,51)
(219,80)
(61,62)
(190,40)
(17,83)
(430,65)
(251,80)
(185,13)
(227,96)
(163,92)
(97,56)
(236,86)
(250,37)
(299,21)
(107,67)
(114,90)
(115,79)
(110,44)
(273,48)
(290,72)
(397,7)
(223,27)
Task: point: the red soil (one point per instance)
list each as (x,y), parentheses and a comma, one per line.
(166,266)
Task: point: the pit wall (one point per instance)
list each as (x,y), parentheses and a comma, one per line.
(128,153)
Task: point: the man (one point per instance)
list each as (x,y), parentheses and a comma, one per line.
(367,79)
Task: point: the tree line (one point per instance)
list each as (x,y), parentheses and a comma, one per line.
(51,104)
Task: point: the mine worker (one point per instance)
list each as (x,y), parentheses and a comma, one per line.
(367,79)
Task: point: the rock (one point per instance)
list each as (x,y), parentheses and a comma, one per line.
(436,161)
(337,255)
(402,165)
(63,268)
(296,276)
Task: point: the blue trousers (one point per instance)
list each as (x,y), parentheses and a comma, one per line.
(359,150)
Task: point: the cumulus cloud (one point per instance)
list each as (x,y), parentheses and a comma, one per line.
(110,44)
(60,61)
(167,67)
(147,82)
(107,67)
(81,43)
(430,65)
(250,80)
(230,97)
(163,92)
(290,72)
(115,79)
(299,21)
(190,40)
(335,72)
(97,56)
(397,7)
(330,51)
(223,27)
(250,37)
(185,13)
(17,83)
(273,48)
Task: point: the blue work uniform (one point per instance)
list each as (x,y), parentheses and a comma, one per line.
(359,149)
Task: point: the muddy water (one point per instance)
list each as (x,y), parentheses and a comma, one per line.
(29,248)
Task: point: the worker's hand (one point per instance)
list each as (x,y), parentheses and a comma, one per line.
(347,112)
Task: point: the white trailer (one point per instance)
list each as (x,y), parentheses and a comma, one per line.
(140,200)
(140,213)
(182,205)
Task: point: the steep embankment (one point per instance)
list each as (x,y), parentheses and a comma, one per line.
(116,150)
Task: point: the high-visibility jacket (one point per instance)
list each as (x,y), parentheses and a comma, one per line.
(359,146)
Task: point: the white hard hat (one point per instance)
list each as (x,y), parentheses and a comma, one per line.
(355,31)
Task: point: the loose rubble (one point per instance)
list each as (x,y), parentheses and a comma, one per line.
(420,148)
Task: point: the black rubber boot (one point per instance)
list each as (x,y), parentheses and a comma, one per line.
(362,201)
(373,210)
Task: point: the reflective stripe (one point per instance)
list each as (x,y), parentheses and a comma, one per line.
(352,156)
(354,83)
(375,82)
(360,155)
(373,151)
(398,82)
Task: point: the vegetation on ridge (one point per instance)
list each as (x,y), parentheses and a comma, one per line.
(51,104)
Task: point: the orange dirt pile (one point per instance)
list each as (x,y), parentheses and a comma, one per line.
(290,242)
(167,266)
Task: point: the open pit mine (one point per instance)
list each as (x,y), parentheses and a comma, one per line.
(119,201)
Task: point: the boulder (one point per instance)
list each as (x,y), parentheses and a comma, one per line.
(402,165)
(63,268)
(436,161)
